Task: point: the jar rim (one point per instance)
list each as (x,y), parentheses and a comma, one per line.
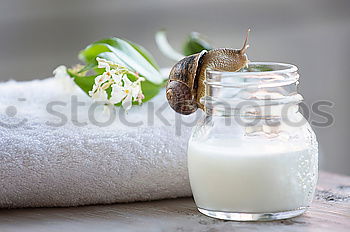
(285,68)
(278,74)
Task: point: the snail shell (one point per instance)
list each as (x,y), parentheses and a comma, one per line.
(181,90)
(186,85)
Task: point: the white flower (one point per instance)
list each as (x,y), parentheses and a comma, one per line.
(118,94)
(102,63)
(107,64)
(126,93)
(94,88)
(117,78)
(140,97)
(98,94)
(123,90)
(115,74)
(122,94)
(99,80)
(137,91)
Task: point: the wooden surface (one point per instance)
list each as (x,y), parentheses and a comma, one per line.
(330,211)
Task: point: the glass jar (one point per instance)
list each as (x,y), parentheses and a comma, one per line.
(253,156)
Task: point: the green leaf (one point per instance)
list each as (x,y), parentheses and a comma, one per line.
(89,54)
(125,53)
(195,44)
(111,56)
(149,90)
(84,82)
(145,54)
(127,56)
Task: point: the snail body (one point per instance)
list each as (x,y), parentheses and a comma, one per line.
(186,86)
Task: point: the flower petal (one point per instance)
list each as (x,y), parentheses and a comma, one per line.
(102,63)
(135,90)
(94,88)
(127,103)
(117,78)
(140,97)
(118,94)
(99,80)
(127,82)
(100,95)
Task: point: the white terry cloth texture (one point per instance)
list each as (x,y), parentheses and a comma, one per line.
(64,158)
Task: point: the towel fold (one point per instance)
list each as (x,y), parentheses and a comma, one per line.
(58,148)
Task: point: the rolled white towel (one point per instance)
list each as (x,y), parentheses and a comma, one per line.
(61,157)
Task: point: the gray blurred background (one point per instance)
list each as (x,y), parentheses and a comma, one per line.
(38,35)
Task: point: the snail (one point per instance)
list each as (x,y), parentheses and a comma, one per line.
(186,86)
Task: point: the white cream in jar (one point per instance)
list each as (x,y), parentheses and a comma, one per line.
(252,177)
